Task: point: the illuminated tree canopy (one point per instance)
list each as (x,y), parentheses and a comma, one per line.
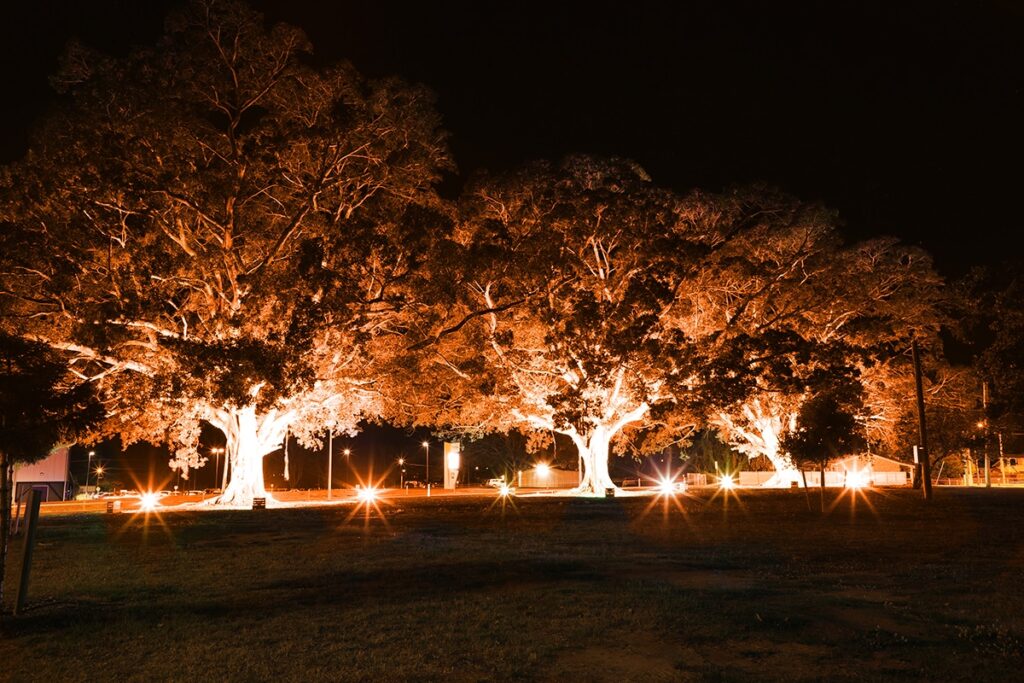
(865,302)
(581,299)
(225,234)
(592,302)
(221,233)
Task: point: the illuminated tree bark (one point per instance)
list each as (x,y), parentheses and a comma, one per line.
(249,438)
(758,432)
(593,450)
(594,454)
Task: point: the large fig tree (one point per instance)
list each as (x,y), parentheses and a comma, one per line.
(581,299)
(213,230)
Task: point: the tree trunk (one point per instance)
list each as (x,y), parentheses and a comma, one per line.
(6,475)
(593,451)
(821,472)
(763,438)
(785,471)
(248,440)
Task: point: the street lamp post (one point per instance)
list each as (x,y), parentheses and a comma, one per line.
(426,456)
(330,460)
(347,452)
(401,473)
(216,473)
(99,475)
(88,467)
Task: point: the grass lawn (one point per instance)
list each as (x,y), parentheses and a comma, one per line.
(743,588)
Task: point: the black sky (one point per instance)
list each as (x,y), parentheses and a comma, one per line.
(907,117)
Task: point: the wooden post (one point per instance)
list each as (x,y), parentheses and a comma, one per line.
(985,443)
(926,470)
(1002,460)
(32,515)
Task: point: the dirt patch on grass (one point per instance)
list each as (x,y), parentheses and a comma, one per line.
(641,658)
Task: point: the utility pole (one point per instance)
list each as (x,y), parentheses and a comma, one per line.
(330,460)
(926,470)
(1002,462)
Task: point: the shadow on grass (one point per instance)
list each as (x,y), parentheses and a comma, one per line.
(337,590)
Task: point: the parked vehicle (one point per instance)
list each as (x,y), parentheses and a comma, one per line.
(496,483)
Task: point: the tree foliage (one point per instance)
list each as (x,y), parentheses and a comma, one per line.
(992,310)
(583,300)
(857,306)
(41,406)
(827,426)
(223,229)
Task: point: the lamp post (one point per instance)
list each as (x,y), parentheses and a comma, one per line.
(88,467)
(347,452)
(99,474)
(426,457)
(216,473)
(401,473)
(330,459)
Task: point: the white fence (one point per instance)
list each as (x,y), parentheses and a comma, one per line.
(836,479)
(754,478)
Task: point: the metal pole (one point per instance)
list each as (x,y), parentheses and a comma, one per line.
(426,456)
(926,470)
(330,460)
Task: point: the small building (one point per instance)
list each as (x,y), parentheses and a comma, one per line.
(881,471)
(546,477)
(49,475)
(875,470)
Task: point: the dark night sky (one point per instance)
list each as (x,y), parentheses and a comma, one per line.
(907,117)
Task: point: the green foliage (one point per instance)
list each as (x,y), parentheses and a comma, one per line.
(499,454)
(992,312)
(706,452)
(41,405)
(827,425)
